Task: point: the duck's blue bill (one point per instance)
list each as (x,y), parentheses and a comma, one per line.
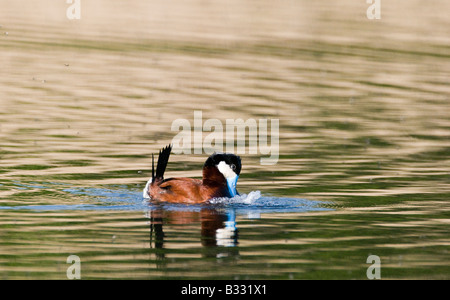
(231,183)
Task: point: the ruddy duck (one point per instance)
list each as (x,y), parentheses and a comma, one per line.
(220,174)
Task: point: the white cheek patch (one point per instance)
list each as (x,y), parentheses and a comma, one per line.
(225,169)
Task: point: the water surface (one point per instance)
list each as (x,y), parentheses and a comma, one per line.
(364,134)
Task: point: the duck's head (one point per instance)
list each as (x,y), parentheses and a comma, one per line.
(224,165)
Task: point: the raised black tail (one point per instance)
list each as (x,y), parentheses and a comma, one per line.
(163,159)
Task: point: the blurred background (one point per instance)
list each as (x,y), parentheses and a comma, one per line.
(363,107)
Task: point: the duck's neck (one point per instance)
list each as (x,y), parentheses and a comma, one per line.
(212,177)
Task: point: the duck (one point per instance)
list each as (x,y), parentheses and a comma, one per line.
(220,175)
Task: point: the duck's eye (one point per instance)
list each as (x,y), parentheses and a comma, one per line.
(233,167)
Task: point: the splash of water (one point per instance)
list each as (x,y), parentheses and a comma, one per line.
(238,199)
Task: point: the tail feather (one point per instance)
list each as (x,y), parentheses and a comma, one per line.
(153,167)
(163,159)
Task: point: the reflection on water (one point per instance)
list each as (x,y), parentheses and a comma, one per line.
(218,228)
(363,132)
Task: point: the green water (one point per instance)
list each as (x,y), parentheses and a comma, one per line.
(363,108)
